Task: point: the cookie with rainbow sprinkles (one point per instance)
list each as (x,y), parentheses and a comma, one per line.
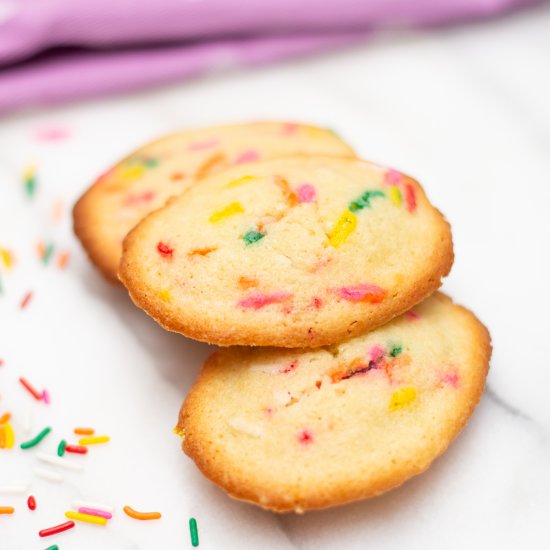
(143,181)
(296,252)
(295,430)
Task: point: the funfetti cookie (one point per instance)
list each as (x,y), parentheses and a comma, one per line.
(142,182)
(295,430)
(297,252)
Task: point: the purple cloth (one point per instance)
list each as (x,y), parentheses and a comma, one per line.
(104,46)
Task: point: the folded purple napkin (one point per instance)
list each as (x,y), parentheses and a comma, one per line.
(58,50)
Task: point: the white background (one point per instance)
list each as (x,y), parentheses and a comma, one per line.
(466,111)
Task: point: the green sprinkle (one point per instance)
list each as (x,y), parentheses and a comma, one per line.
(61,448)
(30,185)
(364,200)
(48,252)
(54,547)
(194,532)
(151,163)
(396,350)
(36,440)
(251,237)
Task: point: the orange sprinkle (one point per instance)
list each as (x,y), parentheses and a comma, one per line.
(25,301)
(57,211)
(214,163)
(84,431)
(141,515)
(7,509)
(2,437)
(41,249)
(5,418)
(63,259)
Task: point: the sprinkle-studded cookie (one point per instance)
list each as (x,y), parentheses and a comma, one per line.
(143,182)
(297,252)
(294,430)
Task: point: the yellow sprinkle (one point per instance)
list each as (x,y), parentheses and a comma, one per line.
(94,440)
(9,435)
(226,212)
(132,172)
(395,195)
(179,431)
(239,181)
(165,296)
(402,398)
(6,257)
(88,518)
(343,229)
(29,172)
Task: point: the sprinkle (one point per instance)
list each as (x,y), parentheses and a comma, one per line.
(151,163)
(226,212)
(25,301)
(392,177)
(317,302)
(343,229)
(395,195)
(78,449)
(396,350)
(2,437)
(131,173)
(5,418)
(58,461)
(177,176)
(87,518)
(45,397)
(53,547)
(56,529)
(306,193)
(7,509)
(36,440)
(15,488)
(63,259)
(376,353)
(252,236)
(451,378)
(290,128)
(288,194)
(247,156)
(47,253)
(194,532)
(9,435)
(26,384)
(257,300)
(305,437)
(50,475)
(52,133)
(94,440)
(240,181)
(204,251)
(364,200)
(146,196)
(31,503)
(165,250)
(289,368)
(95,512)
(6,257)
(29,177)
(95,505)
(61,447)
(84,431)
(410,197)
(206,144)
(401,398)
(165,296)
(215,162)
(366,292)
(141,515)
(412,315)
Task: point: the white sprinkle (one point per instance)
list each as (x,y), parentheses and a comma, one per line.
(95,505)
(50,475)
(58,461)
(15,488)
(245,427)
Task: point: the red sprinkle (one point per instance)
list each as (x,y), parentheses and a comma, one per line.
(31,503)
(56,529)
(37,395)
(410,197)
(290,368)
(305,437)
(79,449)
(165,250)
(25,301)
(366,292)
(258,300)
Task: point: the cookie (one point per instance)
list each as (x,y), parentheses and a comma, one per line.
(295,430)
(143,182)
(296,252)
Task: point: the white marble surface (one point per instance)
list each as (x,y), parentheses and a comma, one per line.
(467,111)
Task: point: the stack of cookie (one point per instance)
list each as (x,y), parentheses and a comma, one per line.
(277,235)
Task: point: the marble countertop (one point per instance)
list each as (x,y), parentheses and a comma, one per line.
(466,110)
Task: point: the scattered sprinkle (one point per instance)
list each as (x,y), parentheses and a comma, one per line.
(165,250)
(396,350)
(58,461)
(145,197)
(95,512)
(141,515)
(36,440)
(84,431)
(226,212)
(61,447)
(56,529)
(401,398)
(29,178)
(247,156)
(177,176)
(8,435)
(131,173)
(52,133)
(364,200)
(194,532)
(49,475)
(410,197)
(252,236)
(165,296)
(26,384)
(63,259)
(395,195)
(78,449)
(7,509)
(87,518)
(240,181)
(46,397)
(7,258)
(257,300)
(305,437)
(94,440)
(25,301)
(215,162)
(15,488)
(392,177)
(344,227)
(306,193)
(5,418)
(412,315)
(53,547)
(366,292)
(206,144)
(31,503)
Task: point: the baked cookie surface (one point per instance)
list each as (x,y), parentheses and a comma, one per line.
(143,182)
(296,252)
(294,430)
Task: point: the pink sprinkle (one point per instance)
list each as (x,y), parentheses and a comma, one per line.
(136,199)
(200,145)
(247,156)
(450,378)
(289,368)
(290,129)
(410,197)
(412,315)
(94,512)
(317,302)
(306,193)
(52,133)
(269,411)
(392,177)
(46,397)
(365,292)
(376,352)
(258,300)
(305,437)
